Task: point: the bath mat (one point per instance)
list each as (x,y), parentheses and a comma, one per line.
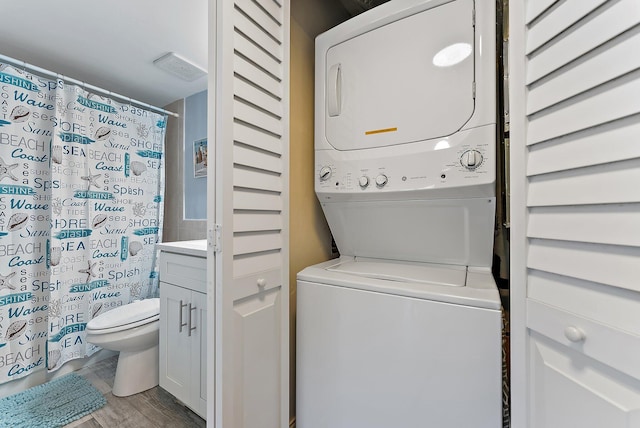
(53,404)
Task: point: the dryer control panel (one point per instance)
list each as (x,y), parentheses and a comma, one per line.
(436,169)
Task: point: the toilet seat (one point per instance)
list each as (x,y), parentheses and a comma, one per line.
(126,317)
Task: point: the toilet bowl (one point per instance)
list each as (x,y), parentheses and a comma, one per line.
(133,330)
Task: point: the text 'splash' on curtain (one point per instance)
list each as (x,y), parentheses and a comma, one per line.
(81,190)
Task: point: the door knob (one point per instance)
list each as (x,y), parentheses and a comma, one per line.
(574,334)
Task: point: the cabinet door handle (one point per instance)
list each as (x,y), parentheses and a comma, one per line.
(574,334)
(191,309)
(182,324)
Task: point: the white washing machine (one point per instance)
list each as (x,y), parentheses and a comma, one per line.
(387,344)
(404,330)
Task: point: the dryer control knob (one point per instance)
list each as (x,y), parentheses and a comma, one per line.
(381,180)
(364,181)
(325,173)
(471,159)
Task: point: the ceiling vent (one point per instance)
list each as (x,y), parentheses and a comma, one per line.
(179,67)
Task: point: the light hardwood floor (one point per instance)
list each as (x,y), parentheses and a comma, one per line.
(152,408)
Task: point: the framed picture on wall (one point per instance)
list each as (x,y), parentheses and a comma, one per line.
(200,158)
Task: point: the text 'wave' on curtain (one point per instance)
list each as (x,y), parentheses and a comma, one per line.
(81,203)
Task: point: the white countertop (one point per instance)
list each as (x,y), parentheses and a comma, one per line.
(189,248)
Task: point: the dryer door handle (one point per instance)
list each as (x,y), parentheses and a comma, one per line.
(334,90)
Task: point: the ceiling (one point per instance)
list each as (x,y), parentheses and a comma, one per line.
(110,43)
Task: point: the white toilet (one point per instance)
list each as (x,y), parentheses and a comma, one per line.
(133,330)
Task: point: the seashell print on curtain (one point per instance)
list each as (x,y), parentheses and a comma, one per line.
(81,203)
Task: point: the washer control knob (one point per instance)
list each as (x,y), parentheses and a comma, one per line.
(381,180)
(325,173)
(364,181)
(471,159)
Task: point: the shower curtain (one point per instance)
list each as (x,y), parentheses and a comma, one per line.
(81,190)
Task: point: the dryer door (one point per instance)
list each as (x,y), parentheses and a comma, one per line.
(407,81)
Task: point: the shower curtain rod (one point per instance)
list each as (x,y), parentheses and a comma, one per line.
(40,70)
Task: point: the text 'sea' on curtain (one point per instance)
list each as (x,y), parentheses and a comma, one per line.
(81,203)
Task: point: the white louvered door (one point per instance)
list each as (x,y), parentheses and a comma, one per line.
(251,209)
(575,180)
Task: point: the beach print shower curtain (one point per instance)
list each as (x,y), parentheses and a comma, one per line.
(81,189)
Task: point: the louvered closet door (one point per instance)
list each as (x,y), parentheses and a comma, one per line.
(252,292)
(575,171)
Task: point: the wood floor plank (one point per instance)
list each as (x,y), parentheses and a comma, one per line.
(79,422)
(155,408)
(119,412)
(163,409)
(96,381)
(106,369)
(90,423)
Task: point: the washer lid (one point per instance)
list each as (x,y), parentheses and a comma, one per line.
(126,314)
(476,288)
(419,273)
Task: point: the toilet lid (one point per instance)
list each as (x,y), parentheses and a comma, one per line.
(127,314)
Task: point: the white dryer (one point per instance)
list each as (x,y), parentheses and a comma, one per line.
(404,330)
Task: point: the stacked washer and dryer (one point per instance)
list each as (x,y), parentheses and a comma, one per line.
(404,329)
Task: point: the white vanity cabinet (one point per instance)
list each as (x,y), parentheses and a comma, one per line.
(183,315)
